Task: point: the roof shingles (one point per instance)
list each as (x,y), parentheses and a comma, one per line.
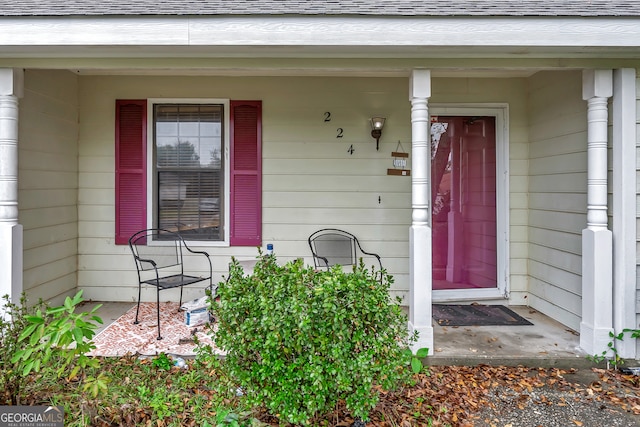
(578,8)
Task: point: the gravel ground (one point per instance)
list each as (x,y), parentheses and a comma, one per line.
(591,398)
(552,408)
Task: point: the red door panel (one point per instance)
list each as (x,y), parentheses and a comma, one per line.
(463,173)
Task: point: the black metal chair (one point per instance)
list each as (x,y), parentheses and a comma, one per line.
(158,255)
(331,246)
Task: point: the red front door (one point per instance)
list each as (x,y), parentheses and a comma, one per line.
(463,200)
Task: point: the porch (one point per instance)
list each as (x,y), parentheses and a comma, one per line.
(546,343)
(539,256)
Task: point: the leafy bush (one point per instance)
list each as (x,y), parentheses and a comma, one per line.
(53,339)
(299,341)
(13,320)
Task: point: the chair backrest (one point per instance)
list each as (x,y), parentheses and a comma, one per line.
(331,246)
(150,256)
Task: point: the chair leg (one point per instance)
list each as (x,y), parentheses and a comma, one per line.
(180,303)
(158,310)
(138,308)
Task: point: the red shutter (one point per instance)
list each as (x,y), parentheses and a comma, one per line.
(131,188)
(246,173)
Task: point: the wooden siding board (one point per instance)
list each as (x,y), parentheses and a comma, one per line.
(560,182)
(571,281)
(97,179)
(337,148)
(97,229)
(519,217)
(335,183)
(92,165)
(518,183)
(301,231)
(48,182)
(43,236)
(50,216)
(96,212)
(96,196)
(519,250)
(558,296)
(520,283)
(559,260)
(564,202)
(331,188)
(53,85)
(55,290)
(55,133)
(558,145)
(42,198)
(35,179)
(48,254)
(568,319)
(567,163)
(306,199)
(518,234)
(518,201)
(50,162)
(330,215)
(327,166)
(557,198)
(567,242)
(558,221)
(46,272)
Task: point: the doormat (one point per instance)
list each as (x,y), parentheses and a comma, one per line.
(476,315)
(122,337)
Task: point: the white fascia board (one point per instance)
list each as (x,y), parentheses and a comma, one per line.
(320,31)
(418,32)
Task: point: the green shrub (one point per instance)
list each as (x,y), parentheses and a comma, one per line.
(299,341)
(54,340)
(13,320)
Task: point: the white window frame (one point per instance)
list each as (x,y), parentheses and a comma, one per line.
(501,113)
(152,195)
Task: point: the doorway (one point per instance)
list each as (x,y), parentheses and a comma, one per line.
(464,203)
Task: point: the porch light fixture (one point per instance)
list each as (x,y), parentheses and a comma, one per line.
(377,123)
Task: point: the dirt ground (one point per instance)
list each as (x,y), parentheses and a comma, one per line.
(585,398)
(499,396)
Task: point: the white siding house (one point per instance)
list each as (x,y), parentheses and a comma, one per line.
(542,107)
(48,182)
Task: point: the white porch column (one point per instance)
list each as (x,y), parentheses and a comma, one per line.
(11,88)
(597,248)
(624,207)
(420,284)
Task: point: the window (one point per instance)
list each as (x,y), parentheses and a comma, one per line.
(185,179)
(189,182)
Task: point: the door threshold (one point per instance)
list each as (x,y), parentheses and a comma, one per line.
(461,295)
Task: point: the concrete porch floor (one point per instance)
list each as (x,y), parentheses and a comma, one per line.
(546,343)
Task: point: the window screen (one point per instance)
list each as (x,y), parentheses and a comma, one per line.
(188,147)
